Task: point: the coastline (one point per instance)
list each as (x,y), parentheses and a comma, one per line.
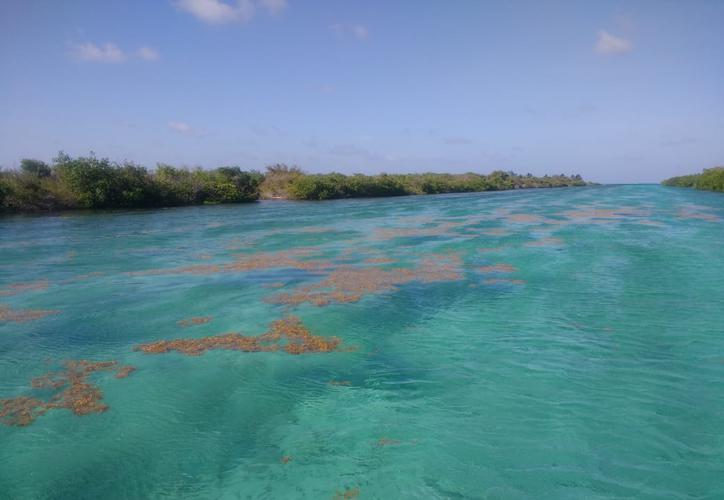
(89,183)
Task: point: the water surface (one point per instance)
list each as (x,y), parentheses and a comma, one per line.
(562,343)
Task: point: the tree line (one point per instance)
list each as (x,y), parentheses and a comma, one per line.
(711,179)
(284,182)
(89,182)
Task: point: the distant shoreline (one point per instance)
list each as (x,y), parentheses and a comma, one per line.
(88,183)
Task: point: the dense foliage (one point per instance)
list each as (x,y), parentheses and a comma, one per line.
(329,186)
(91,182)
(711,179)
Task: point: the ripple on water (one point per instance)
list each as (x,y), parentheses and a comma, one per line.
(546,343)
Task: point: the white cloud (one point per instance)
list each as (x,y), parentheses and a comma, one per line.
(109,53)
(148,54)
(273,6)
(181,127)
(358,31)
(610,44)
(106,53)
(219,12)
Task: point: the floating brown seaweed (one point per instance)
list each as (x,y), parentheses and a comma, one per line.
(604,215)
(340,382)
(23,315)
(21,411)
(524,218)
(288,334)
(441,229)
(285,459)
(387,442)
(285,259)
(686,213)
(125,371)
(78,395)
(245,262)
(196,347)
(349,284)
(347,494)
(16,288)
(196,320)
(299,338)
(496,231)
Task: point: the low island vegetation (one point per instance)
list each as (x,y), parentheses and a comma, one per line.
(281,181)
(711,179)
(90,182)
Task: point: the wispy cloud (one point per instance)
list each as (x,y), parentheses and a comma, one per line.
(109,53)
(90,52)
(148,54)
(181,127)
(218,12)
(611,44)
(232,11)
(273,6)
(358,31)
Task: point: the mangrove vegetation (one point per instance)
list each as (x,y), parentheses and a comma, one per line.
(711,179)
(90,182)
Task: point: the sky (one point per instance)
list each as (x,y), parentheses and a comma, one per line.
(617,91)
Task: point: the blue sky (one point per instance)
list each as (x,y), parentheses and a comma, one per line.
(615,91)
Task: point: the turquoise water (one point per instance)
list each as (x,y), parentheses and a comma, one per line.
(571,345)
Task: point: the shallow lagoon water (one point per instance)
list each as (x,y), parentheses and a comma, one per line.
(574,349)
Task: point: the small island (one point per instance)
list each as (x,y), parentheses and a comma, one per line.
(711,179)
(99,183)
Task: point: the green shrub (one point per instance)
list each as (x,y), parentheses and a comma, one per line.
(232,185)
(35,168)
(317,187)
(711,179)
(4,190)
